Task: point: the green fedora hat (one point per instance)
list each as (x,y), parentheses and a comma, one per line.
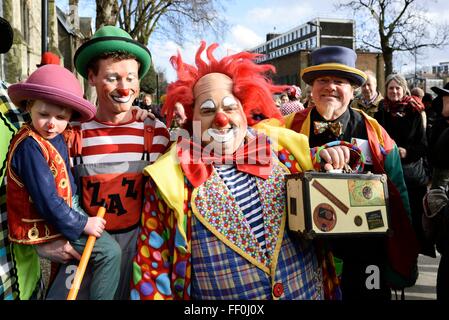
(111,39)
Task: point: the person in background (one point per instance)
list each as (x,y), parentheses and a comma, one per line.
(293,104)
(430,113)
(179,115)
(370,97)
(284,98)
(419,94)
(440,106)
(179,119)
(147,104)
(277,100)
(400,114)
(308,100)
(333,77)
(436,209)
(147,101)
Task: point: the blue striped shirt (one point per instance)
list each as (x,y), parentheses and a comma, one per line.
(244,189)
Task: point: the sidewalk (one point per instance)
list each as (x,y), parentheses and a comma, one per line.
(425,287)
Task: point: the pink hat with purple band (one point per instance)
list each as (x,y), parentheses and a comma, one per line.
(54,84)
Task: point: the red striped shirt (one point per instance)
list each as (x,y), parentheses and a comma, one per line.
(105,142)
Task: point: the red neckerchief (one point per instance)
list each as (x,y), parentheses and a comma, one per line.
(254,157)
(401,106)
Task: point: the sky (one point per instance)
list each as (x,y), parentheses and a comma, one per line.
(249,22)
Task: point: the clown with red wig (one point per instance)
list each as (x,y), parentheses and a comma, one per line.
(214,220)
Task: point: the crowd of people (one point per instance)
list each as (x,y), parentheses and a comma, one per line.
(195,191)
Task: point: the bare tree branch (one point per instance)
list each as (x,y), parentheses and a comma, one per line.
(176,20)
(402,26)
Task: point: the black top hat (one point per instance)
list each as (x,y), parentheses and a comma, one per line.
(441,91)
(6,34)
(334,61)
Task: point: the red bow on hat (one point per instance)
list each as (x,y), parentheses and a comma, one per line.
(254,158)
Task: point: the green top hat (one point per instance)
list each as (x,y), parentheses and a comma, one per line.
(111,39)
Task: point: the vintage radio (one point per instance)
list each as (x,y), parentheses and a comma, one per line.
(330,204)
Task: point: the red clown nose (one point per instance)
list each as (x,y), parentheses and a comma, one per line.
(221,120)
(51,126)
(123,92)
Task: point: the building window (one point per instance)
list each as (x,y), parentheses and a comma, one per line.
(25,21)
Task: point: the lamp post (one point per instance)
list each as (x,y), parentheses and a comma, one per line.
(157,87)
(415,51)
(402,69)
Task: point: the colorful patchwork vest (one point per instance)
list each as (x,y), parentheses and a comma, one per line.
(194,222)
(25,224)
(289,270)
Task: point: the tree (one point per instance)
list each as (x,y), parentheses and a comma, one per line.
(154,82)
(107,11)
(393,26)
(170,19)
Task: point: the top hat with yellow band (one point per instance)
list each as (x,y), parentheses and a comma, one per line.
(333,61)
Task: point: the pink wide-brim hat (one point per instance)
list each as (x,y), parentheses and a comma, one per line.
(53,84)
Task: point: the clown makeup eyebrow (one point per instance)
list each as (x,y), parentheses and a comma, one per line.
(229,102)
(114,76)
(207,105)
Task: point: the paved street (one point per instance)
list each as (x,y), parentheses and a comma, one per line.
(425,288)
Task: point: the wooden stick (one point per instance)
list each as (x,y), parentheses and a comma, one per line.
(84,260)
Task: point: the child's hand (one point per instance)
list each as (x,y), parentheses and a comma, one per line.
(94,226)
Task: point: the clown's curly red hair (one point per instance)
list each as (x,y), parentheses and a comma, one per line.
(250,83)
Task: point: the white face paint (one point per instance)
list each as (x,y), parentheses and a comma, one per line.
(220,137)
(214,96)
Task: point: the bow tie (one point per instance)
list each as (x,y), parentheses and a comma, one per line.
(335,127)
(254,158)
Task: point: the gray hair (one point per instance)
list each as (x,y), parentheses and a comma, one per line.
(400,80)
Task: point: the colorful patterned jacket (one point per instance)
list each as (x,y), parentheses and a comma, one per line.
(11,119)
(402,245)
(230,266)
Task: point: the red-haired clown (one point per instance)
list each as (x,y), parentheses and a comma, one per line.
(214,220)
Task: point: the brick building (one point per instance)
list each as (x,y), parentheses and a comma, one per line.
(290,51)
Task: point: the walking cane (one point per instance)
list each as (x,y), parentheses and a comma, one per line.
(84,259)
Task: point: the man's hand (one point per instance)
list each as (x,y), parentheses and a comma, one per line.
(402,152)
(335,157)
(142,114)
(57,251)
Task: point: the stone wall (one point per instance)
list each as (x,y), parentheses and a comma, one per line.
(25,17)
